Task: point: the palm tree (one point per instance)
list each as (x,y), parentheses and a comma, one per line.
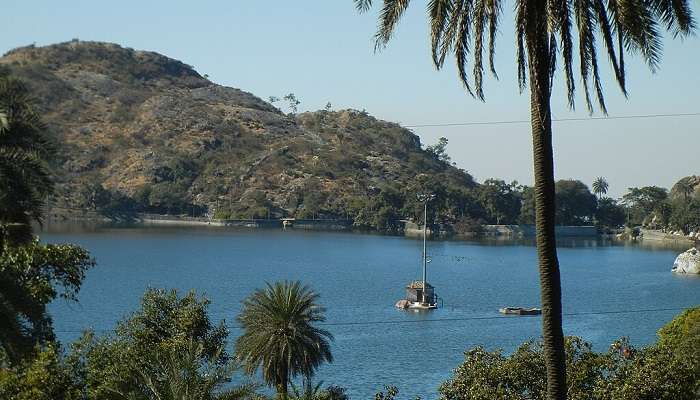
(600,187)
(24,174)
(279,335)
(545,31)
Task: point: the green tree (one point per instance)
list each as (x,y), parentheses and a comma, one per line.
(609,213)
(665,370)
(31,276)
(685,215)
(439,150)
(500,200)
(186,374)
(145,347)
(24,174)
(279,334)
(544,32)
(45,376)
(644,202)
(527,209)
(576,205)
(308,391)
(600,187)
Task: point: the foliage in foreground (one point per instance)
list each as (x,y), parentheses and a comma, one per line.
(668,369)
(170,350)
(279,334)
(24,151)
(31,276)
(139,358)
(46,376)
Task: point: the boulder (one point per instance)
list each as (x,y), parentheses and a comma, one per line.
(687,262)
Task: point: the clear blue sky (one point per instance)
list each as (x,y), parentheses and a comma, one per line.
(323,51)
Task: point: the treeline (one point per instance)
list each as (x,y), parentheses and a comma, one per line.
(659,208)
(456,208)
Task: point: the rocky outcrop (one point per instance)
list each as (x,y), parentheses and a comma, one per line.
(687,262)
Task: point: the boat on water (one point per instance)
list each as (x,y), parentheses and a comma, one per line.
(520,311)
(420,295)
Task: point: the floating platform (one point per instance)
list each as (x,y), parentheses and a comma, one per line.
(520,311)
(405,304)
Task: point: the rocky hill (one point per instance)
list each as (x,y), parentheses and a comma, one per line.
(138,131)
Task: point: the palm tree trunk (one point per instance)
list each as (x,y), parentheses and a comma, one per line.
(283,384)
(541,120)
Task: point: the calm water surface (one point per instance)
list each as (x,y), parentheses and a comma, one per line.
(360,277)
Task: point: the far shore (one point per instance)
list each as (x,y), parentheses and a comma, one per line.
(505,232)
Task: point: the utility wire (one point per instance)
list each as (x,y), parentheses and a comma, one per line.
(527,121)
(456,319)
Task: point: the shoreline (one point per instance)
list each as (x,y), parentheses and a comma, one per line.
(490,232)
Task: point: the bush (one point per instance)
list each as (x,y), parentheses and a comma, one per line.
(664,371)
(44,377)
(167,324)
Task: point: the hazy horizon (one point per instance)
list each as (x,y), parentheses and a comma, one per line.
(324,53)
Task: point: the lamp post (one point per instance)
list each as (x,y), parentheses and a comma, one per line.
(425,198)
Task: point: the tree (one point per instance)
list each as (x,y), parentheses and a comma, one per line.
(45,376)
(186,374)
(500,200)
(609,213)
(292,102)
(279,335)
(544,32)
(685,215)
(600,187)
(168,331)
(31,277)
(24,173)
(439,150)
(643,202)
(527,209)
(575,203)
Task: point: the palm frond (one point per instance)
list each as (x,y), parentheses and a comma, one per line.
(363,5)
(462,44)
(459,27)
(675,14)
(439,12)
(494,10)
(388,18)
(479,21)
(520,18)
(560,23)
(607,33)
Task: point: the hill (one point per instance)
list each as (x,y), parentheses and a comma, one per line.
(137,131)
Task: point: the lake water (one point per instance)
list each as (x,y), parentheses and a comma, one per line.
(360,277)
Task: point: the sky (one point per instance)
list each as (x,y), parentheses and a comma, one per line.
(323,51)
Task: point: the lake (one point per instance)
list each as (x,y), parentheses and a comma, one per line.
(609,291)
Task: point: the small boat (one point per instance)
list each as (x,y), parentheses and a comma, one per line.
(420,295)
(520,311)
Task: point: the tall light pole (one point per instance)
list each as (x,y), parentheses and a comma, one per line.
(425,198)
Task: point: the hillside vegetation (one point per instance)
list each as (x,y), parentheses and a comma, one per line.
(138,131)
